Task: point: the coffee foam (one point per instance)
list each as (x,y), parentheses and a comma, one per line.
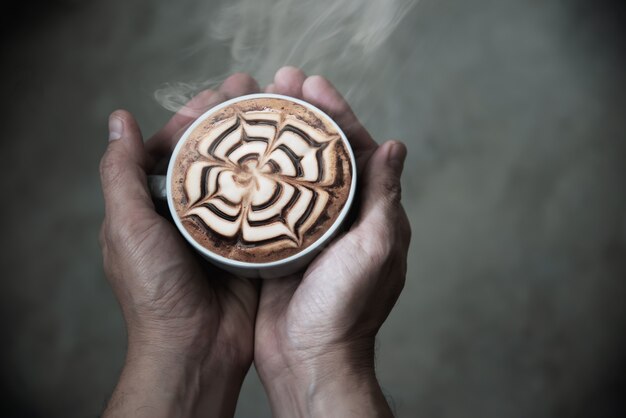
(261,180)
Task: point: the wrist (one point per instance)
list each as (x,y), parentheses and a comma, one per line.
(163,383)
(192,345)
(339,383)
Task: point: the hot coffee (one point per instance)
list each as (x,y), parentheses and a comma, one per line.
(261,179)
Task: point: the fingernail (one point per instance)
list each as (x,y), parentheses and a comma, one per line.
(116,128)
(396,156)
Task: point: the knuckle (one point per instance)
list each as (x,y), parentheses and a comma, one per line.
(392,188)
(110,170)
(121,233)
(378,250)
(109,237)
(106,249)
(113,231)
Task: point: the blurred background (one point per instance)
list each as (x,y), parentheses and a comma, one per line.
(514,115)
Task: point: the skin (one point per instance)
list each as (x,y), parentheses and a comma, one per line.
(194,330)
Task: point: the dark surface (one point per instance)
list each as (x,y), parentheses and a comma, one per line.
(514,116)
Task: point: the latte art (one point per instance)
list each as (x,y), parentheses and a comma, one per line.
(262,182)
(258,183)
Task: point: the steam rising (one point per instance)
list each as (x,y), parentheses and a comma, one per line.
(327,37)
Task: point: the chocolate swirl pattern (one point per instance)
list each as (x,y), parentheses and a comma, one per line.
(262,178)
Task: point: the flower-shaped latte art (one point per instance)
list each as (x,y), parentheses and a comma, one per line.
(261,178)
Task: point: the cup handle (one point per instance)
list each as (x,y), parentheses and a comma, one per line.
(157,186)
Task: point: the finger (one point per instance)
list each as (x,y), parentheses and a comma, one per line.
(271,88)
(321,93)
(163,142)
(288,81)
(239,84)
(381,213)
(123,168)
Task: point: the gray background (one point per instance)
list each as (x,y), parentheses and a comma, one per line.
(513,111)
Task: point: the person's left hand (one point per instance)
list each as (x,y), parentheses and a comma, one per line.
(186,321)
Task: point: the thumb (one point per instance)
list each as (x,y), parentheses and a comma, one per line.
(123,167)
(381,190)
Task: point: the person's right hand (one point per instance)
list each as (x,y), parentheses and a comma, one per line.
(190,326)
(315,331)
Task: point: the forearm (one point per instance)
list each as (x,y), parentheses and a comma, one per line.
(156,385)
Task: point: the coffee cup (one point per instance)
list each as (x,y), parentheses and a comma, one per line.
(259,185)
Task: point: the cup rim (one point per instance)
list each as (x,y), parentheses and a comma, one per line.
(320,242)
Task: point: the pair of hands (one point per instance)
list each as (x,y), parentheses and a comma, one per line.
(194,330)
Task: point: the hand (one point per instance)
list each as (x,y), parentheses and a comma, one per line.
(315,331)
(190,326)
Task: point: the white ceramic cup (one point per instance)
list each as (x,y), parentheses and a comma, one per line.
(160,187)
